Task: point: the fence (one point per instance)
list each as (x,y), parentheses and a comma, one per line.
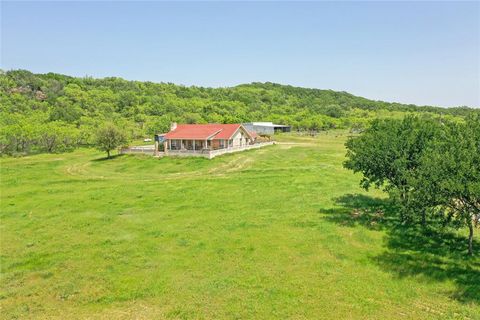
(206,153)
(138,150)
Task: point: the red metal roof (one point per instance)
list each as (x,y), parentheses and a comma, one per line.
(203,131)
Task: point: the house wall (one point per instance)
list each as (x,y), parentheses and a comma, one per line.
(219,144)
(240,139)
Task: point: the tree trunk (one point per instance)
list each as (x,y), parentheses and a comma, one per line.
(403,200)
(108,154)
(470,237)
(402,211)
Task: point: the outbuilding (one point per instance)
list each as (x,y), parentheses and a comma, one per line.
(266,128)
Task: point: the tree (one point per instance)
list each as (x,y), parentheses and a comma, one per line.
(432,167)
(333,111)
(389,152)
(73,100)
(158,125)
(57,136)
(64,110)
(18,137)
(448,179)
(108,137)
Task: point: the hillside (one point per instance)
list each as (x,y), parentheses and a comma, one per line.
(34,105)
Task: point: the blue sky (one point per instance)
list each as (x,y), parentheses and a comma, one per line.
(412,52)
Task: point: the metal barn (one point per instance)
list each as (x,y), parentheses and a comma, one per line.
(267,128)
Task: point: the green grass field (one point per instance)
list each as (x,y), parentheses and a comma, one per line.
(261,234)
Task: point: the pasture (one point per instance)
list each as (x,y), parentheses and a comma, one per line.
(280,232)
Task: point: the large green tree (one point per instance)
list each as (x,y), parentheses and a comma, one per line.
(448,180)
(431,166)
(389,152)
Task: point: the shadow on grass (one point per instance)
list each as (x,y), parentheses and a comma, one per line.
(433,253)
(358,209)
(112,157)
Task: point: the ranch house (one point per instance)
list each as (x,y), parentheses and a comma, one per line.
(207,140)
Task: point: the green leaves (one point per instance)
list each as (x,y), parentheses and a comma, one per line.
(146,105)
(389,151)
(109,137)
(431,167)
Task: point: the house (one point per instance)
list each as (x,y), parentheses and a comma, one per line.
(266,128)
(206,140)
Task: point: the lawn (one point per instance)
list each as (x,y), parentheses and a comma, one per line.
(261,234)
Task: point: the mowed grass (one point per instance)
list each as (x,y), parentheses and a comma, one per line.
(261,234)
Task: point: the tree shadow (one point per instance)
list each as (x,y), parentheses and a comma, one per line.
(112,157)
(359,209)
(434,253)
(437,255)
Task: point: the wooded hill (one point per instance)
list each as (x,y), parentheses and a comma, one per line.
(36,109)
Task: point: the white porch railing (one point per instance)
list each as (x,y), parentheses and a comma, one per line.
(206,153)
(138,150)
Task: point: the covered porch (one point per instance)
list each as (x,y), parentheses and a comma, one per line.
(196,145)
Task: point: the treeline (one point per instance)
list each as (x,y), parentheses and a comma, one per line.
(53,113)
(431,168)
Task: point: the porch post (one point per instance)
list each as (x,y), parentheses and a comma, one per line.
(194,144)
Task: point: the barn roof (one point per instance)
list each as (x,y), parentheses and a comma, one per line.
(266,124)
(203,131)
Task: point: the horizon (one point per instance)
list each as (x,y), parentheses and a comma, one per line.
(365,49)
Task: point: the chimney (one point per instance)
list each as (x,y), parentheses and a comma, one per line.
(173,126)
